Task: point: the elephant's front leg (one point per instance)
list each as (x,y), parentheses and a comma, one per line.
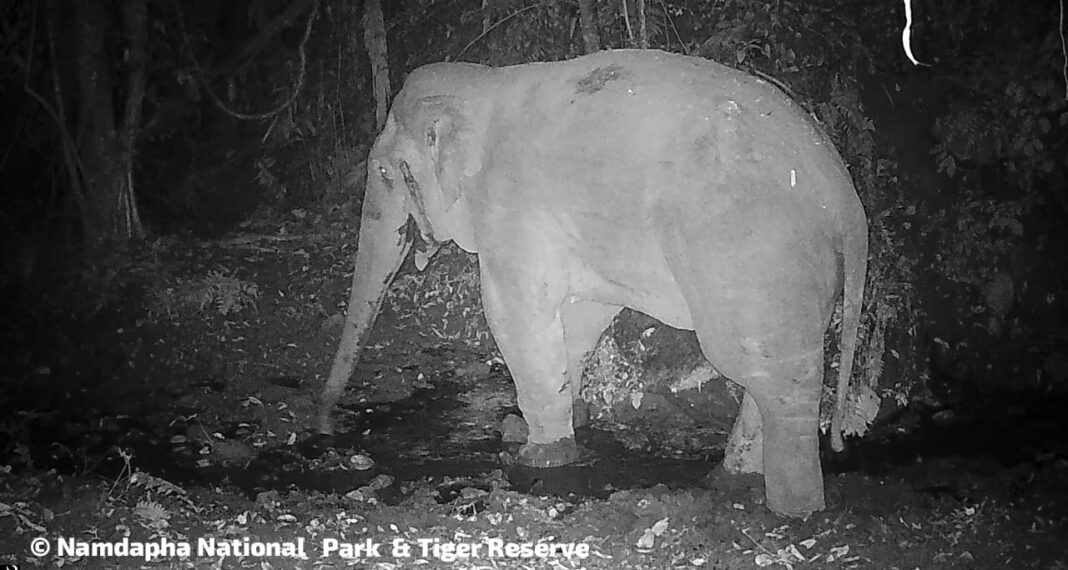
(522,303)
(745,446)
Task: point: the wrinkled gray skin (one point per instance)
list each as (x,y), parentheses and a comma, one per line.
(681,188)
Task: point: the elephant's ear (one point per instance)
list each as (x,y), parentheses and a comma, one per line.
(453,143)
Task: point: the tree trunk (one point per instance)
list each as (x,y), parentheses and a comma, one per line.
(135,23)
(98,142)
(643,34)
(626,22)
(106,149)
(591,38)
(374,38)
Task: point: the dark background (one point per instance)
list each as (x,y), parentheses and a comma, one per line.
(122,156)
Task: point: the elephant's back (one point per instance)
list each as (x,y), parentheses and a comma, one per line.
(641,77)
(673,121)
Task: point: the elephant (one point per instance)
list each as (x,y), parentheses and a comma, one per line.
(672,185)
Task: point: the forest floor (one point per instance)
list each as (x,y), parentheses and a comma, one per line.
(177,417)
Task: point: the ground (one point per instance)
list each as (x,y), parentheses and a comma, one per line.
(180,412)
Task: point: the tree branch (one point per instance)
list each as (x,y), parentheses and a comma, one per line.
(298,83)
(229,65)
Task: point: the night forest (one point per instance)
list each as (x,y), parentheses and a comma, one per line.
(184,184)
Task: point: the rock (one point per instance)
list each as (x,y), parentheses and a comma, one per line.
(475,369)
(514,429)
(334,322)
(944,417)
(361,462)
(380,482)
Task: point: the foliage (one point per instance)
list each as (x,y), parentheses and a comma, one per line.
(853,131)
(150,497)
(613,376)
(526,32)
(978,233)
(1010,105)
(105,279)
(892,309)
(777,39)
(15,433)
(619,22)
(158,488)
(444,300)
(228,294)
(219,289)
(311,149)
(1002,149)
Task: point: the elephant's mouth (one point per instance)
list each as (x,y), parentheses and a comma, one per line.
(425,246)
(420,228)
(422,223)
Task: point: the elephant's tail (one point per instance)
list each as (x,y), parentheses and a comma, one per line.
(854,268)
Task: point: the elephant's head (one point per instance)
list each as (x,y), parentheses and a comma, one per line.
(419,169)
(422,166)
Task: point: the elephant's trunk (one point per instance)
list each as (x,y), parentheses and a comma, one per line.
(384,243)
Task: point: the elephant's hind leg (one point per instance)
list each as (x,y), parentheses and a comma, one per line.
(788,397)
(786,391)
(523,310)
(759,311)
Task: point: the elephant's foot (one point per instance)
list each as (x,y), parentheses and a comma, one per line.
(326,427)
(580,413)
(555,454)
(736,486)
(793,475)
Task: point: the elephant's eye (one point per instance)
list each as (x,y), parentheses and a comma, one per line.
(385,173)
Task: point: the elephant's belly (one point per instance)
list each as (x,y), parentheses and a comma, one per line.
(641,285)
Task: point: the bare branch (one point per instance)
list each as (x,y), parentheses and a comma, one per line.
(497,23)
(283,20)
(298,83)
